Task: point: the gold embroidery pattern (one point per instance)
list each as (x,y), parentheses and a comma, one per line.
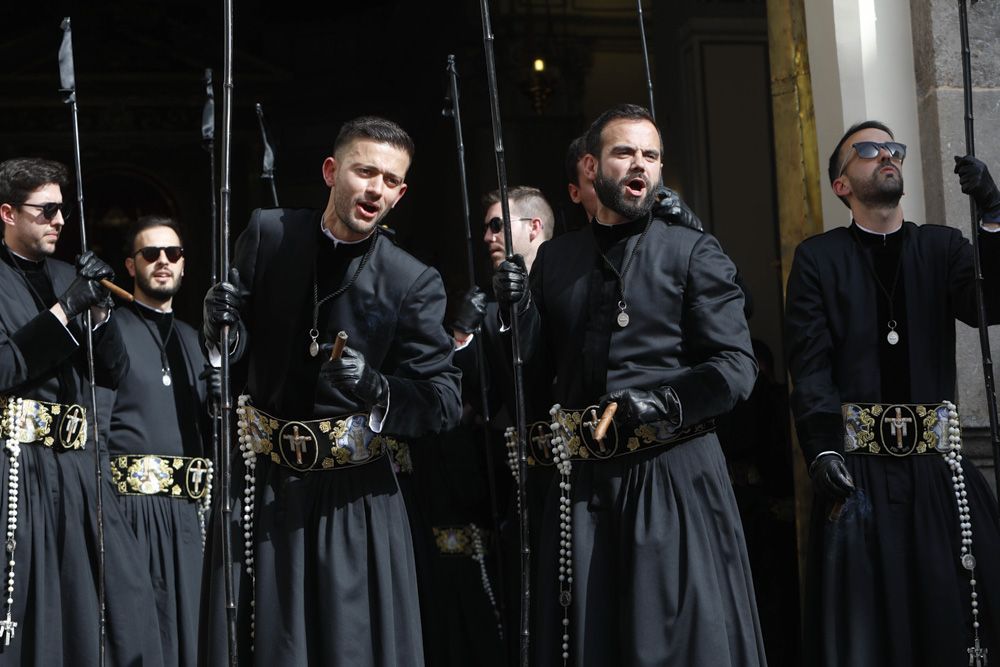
(149,475)
(177,477)
(48,424)
(869,427)
(457,540)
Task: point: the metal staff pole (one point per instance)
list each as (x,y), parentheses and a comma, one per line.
(984,335)
(455,113)
(226,407)
(522,455)
(267,170)
(645,59)
(67,85)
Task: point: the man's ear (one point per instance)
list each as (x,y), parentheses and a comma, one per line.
(402,191)
(130,266)
(841,186)
(536,228)
(590,166)
(329,169)
(7,214)
(574,193)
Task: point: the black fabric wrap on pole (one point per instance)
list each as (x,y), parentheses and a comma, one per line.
(267,168)
(208,142)
(67,86)
(456,114)
(645,59)
(522,456)
(984,335)
(226,406)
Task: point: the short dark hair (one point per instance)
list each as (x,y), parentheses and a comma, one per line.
(576,150)
(21,176)
(148,222)
(376,129)
(835,164)
(529,201)
(619,112)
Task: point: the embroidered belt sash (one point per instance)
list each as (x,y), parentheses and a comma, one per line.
(53,425)
(896,429)
(152,475)
(315,444)
(618,441)
(460,540)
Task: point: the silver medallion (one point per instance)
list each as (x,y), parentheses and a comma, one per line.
(892,337)
(313,349)
(166,378)
(623,319)
(969,562)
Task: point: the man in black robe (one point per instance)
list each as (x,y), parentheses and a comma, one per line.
(870,335)
(50,595)
(328,575)
(643,559)
(159,464)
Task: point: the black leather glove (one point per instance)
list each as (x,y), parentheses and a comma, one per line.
(643,406)
(510,283)
(470,312)
(830,476)
(86,290)
(976,181)
(221,307)
(671,207)
(212,375)
(352,375)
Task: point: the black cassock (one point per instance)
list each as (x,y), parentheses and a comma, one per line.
(56,595)
(885,584)
(661,575)
(151,418)
(335,580)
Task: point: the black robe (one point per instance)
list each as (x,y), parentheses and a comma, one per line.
(885,585)
(661,575)
(150,418)
(56,589)
(335,581)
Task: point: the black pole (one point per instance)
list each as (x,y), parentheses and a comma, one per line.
(645,59)
(455,113)
(984,335)
(226,407)
(267,170)
(67,85)
(521,420)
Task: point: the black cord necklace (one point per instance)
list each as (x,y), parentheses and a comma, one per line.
(164,361)
(623,318)
(893,336)
(317,302)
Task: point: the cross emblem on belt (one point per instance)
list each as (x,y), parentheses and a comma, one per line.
(197,472)
(298,443)
(898,424)
(7,627)
(542,441)
(592,424)
(73,426)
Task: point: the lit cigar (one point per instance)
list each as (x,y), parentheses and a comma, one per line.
(602,426)
(338,345)
(117,291)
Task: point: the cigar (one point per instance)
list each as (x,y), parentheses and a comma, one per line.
(117,291)
(338,345)
(602,426)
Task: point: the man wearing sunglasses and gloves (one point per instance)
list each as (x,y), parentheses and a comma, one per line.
(903,567)
(160,434)
(49,607)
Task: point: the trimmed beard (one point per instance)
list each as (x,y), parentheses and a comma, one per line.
(880,192)
(344,207)
(162,293)
(612,195)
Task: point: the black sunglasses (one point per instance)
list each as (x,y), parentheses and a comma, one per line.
(51,209)
(151,253)
(496,224)
(870,149)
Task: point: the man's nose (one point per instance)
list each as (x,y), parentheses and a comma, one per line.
(375,186)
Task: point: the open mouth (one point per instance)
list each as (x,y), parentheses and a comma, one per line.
(367,210)
(635,187)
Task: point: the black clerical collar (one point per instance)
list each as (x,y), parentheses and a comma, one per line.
(22,263)
(615,233)
(331,244)
(151,313)
(868,238)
